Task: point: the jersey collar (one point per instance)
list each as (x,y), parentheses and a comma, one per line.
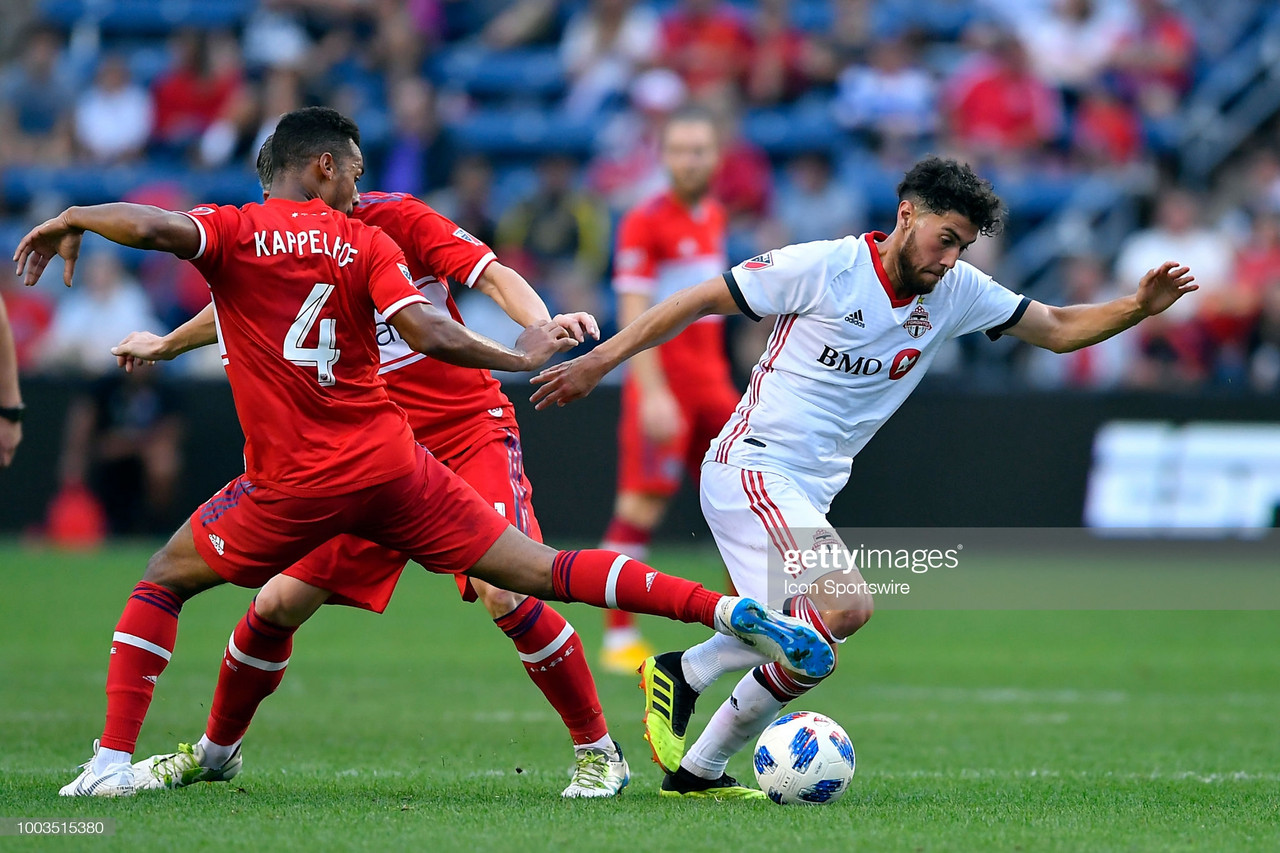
(873,237)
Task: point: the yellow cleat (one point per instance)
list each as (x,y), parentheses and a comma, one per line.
(668,704)
(625,660)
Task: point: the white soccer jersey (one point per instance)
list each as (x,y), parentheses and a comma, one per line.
(843,356)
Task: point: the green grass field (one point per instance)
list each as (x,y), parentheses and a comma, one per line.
(418,730)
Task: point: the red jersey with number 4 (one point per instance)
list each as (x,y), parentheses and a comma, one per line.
(445,403)
(664,246)
(294,285)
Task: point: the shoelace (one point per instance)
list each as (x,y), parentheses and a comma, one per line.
(591,770)
(167,768)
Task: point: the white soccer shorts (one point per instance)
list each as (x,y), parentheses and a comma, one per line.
(752,513)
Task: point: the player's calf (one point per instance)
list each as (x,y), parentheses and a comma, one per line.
(840,602)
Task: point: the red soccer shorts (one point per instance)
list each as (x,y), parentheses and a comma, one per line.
(362,574)
(246,532)
(656,469)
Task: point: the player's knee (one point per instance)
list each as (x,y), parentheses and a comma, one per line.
(166,569)
(499,602)
(289,602)
(846,621)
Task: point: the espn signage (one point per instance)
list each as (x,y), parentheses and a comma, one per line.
(1200,478)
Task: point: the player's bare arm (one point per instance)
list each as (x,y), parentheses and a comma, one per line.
(660,416)
(148,347)
(138,226)
(517,298)
(432,332)
(575,379)
(1074,327)
(10,396)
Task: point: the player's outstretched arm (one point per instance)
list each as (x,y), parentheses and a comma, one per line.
(575,379)
(432,332)
(1074,327)
(517,298)
(138,226)
(148,348)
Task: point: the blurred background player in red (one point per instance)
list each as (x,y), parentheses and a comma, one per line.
(677,396)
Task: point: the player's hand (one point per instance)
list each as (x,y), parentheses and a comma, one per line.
(567,382)
(42,243)
(140,348)
(10,438)
(543,340)
(660,416)
(1163,286)
(579,324)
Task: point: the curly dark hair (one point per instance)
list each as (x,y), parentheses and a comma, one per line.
(943,185)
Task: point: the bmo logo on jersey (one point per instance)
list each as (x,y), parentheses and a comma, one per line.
(846,363)
(902,363)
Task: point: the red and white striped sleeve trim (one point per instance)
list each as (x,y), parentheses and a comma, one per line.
(400,304)
(479,268)
(204,239)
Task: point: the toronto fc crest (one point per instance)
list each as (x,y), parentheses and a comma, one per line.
(918,323)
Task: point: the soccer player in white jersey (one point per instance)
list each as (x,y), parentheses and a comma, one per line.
(859,320)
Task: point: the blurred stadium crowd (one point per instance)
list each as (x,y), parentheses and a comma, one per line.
(532,123)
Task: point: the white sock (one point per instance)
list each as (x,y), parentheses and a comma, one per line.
(106,757)
(605,745)
(741,719)
(704,663)
(215,754)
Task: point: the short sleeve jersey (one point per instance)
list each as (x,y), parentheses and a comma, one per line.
(294,285)
(664,246)
(445,403)
(844,354)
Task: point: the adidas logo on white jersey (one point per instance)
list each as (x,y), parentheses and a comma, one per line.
(218,544)
(856,319)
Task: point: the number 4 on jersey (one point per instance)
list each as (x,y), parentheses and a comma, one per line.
(324,355)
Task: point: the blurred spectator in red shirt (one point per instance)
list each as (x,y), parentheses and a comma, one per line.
(784,62)
(707,44)
(198,88)
(1106,130)
(30,313)
(1154,57)
(1231,313)
(998,107)
(744,181)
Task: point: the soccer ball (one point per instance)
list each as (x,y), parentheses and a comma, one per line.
(804,757)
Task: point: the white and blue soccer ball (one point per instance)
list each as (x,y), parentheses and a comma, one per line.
(806,758)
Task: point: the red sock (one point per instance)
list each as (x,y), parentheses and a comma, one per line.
(140,650)
(252,668)
(552,655)
(610,579)
(632,540)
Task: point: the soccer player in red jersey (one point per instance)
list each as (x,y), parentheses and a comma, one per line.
(464,419)
(677,396)
(294,282)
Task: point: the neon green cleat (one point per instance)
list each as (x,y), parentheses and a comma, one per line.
(668,704)
(182,768)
